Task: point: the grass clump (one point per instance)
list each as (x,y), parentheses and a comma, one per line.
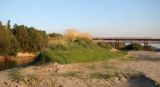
(43,57)
(105,45)
(129,58)
(16,75)
(99,75)
(69,74)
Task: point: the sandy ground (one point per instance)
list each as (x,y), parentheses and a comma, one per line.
(147,63)
(137,69)
(4,76)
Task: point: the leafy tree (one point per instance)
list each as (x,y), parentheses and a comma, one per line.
(30,39)
(22,36)
(8,42)
(55,35)
(8,24)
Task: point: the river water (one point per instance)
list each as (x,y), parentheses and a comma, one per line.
(14,62)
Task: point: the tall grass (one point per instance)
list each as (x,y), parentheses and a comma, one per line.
(77,52)
(73,35)
(75,47)
(56,41)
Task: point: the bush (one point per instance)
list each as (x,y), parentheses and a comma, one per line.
(149,48)
(133,46)
(49,56)
(43,57)
(104,45)
(119,45)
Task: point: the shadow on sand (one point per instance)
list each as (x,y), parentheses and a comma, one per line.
(141,81)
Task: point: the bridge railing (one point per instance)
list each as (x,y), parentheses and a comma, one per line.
(128,40)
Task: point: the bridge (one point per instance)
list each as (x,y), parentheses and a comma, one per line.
(144,41)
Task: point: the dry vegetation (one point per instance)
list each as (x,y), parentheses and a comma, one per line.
(72,35)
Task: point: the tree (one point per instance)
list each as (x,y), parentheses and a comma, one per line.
(30,39)
(21,34)
(21,38)
(37,39)
(8,24)
(55,35)
(8,42)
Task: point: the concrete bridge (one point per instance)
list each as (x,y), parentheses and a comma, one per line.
(144,41)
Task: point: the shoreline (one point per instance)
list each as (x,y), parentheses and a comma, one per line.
(19,60)
(88,74)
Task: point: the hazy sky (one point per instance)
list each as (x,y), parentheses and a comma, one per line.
(111,18)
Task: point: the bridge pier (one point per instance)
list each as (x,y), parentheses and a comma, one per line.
(117,44)
(145,43)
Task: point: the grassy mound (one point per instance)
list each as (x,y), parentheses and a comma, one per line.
(74,52)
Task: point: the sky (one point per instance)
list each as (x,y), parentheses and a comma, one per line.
(103,18)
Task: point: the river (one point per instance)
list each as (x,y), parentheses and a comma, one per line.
(14,62)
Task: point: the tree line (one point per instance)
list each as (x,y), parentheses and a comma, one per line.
(21,38)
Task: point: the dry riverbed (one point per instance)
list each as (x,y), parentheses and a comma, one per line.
(137,69)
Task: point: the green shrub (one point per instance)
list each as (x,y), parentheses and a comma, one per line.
(119,45)
(133,46)
(149,48)
(104,45)
(43,57)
